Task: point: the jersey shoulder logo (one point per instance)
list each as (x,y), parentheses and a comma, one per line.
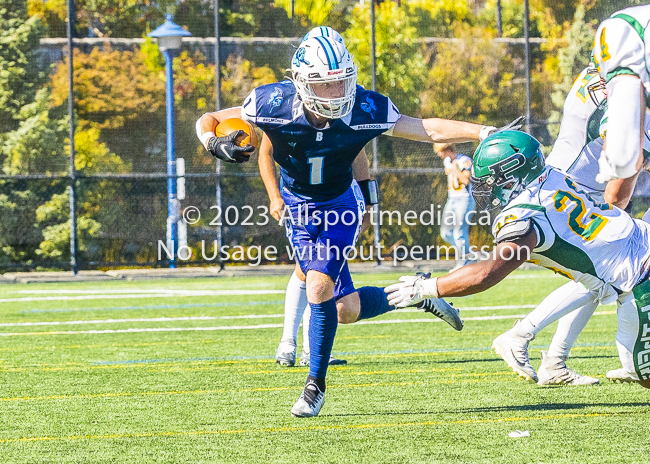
(275,98)
(368,106)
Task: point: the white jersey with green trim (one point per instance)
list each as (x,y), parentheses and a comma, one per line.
(579,144)
(593,243)
(622,44)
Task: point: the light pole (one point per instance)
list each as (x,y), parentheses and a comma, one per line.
(169,36)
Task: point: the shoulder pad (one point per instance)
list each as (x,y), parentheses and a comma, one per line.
(513,230)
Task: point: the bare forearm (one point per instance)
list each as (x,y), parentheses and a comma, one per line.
(267,169)
(435,130)
(478,277)
(446,130)
(619,191)
(468,280)
(360,169)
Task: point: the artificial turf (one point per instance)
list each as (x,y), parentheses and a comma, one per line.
(84,382)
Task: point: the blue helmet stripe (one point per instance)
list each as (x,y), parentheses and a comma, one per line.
(324,31)
(329,52)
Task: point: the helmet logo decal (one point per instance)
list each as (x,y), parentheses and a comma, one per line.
(368,105)
(503,169)
(275,99)
(299,57)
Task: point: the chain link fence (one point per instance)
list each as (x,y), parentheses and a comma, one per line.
(121,169)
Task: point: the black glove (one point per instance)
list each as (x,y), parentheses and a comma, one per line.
(227,150)
(517,124)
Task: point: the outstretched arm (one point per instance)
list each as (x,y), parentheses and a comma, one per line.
(478,277)
(475,278)
(436,130)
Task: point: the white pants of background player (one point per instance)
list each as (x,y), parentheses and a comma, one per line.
(296,309)
(455,226)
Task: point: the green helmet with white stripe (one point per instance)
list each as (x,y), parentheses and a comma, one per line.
(325,77)
(504,164)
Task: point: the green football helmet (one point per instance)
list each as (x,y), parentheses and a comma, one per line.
(504,164)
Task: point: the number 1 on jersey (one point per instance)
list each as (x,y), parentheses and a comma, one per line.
(316,172)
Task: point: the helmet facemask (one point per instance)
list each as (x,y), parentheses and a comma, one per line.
(330,108)
(594,88)
(490,196)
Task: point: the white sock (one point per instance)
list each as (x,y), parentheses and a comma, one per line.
(560,302)
(305,329)
(295,301)
(627,332)
(568,329)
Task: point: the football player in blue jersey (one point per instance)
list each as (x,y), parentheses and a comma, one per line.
(318,121)
(296,307)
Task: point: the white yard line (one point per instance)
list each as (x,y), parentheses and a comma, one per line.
(182,291)
(210,318)
(262,326)
(144,295)
(247,316)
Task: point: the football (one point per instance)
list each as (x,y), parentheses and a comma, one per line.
(229,126)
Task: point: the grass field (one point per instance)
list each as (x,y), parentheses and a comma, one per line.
(173,371)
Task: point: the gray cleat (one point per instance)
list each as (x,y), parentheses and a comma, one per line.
(445,311)
(553,371)
(513,348)
(622,376)
(285,359)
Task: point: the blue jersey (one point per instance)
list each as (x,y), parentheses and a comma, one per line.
(317,163)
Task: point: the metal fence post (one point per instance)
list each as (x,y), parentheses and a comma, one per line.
(499,24)
(172,202)
(74,265)
(375,159)
(527,58)
(217,92)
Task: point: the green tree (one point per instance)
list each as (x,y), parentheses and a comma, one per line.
(473,80)
(438,18)
(401,70)
(20,77)
(31,132)
(573,57)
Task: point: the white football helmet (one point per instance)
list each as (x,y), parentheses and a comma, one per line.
(324,31)
(322,60)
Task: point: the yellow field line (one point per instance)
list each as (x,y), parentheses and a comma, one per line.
(211,365)
(183,342)
(248,390)
(313,428)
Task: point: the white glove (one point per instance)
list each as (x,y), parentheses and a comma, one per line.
(411,290)
(447,162)
(486,131)
(605,170)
